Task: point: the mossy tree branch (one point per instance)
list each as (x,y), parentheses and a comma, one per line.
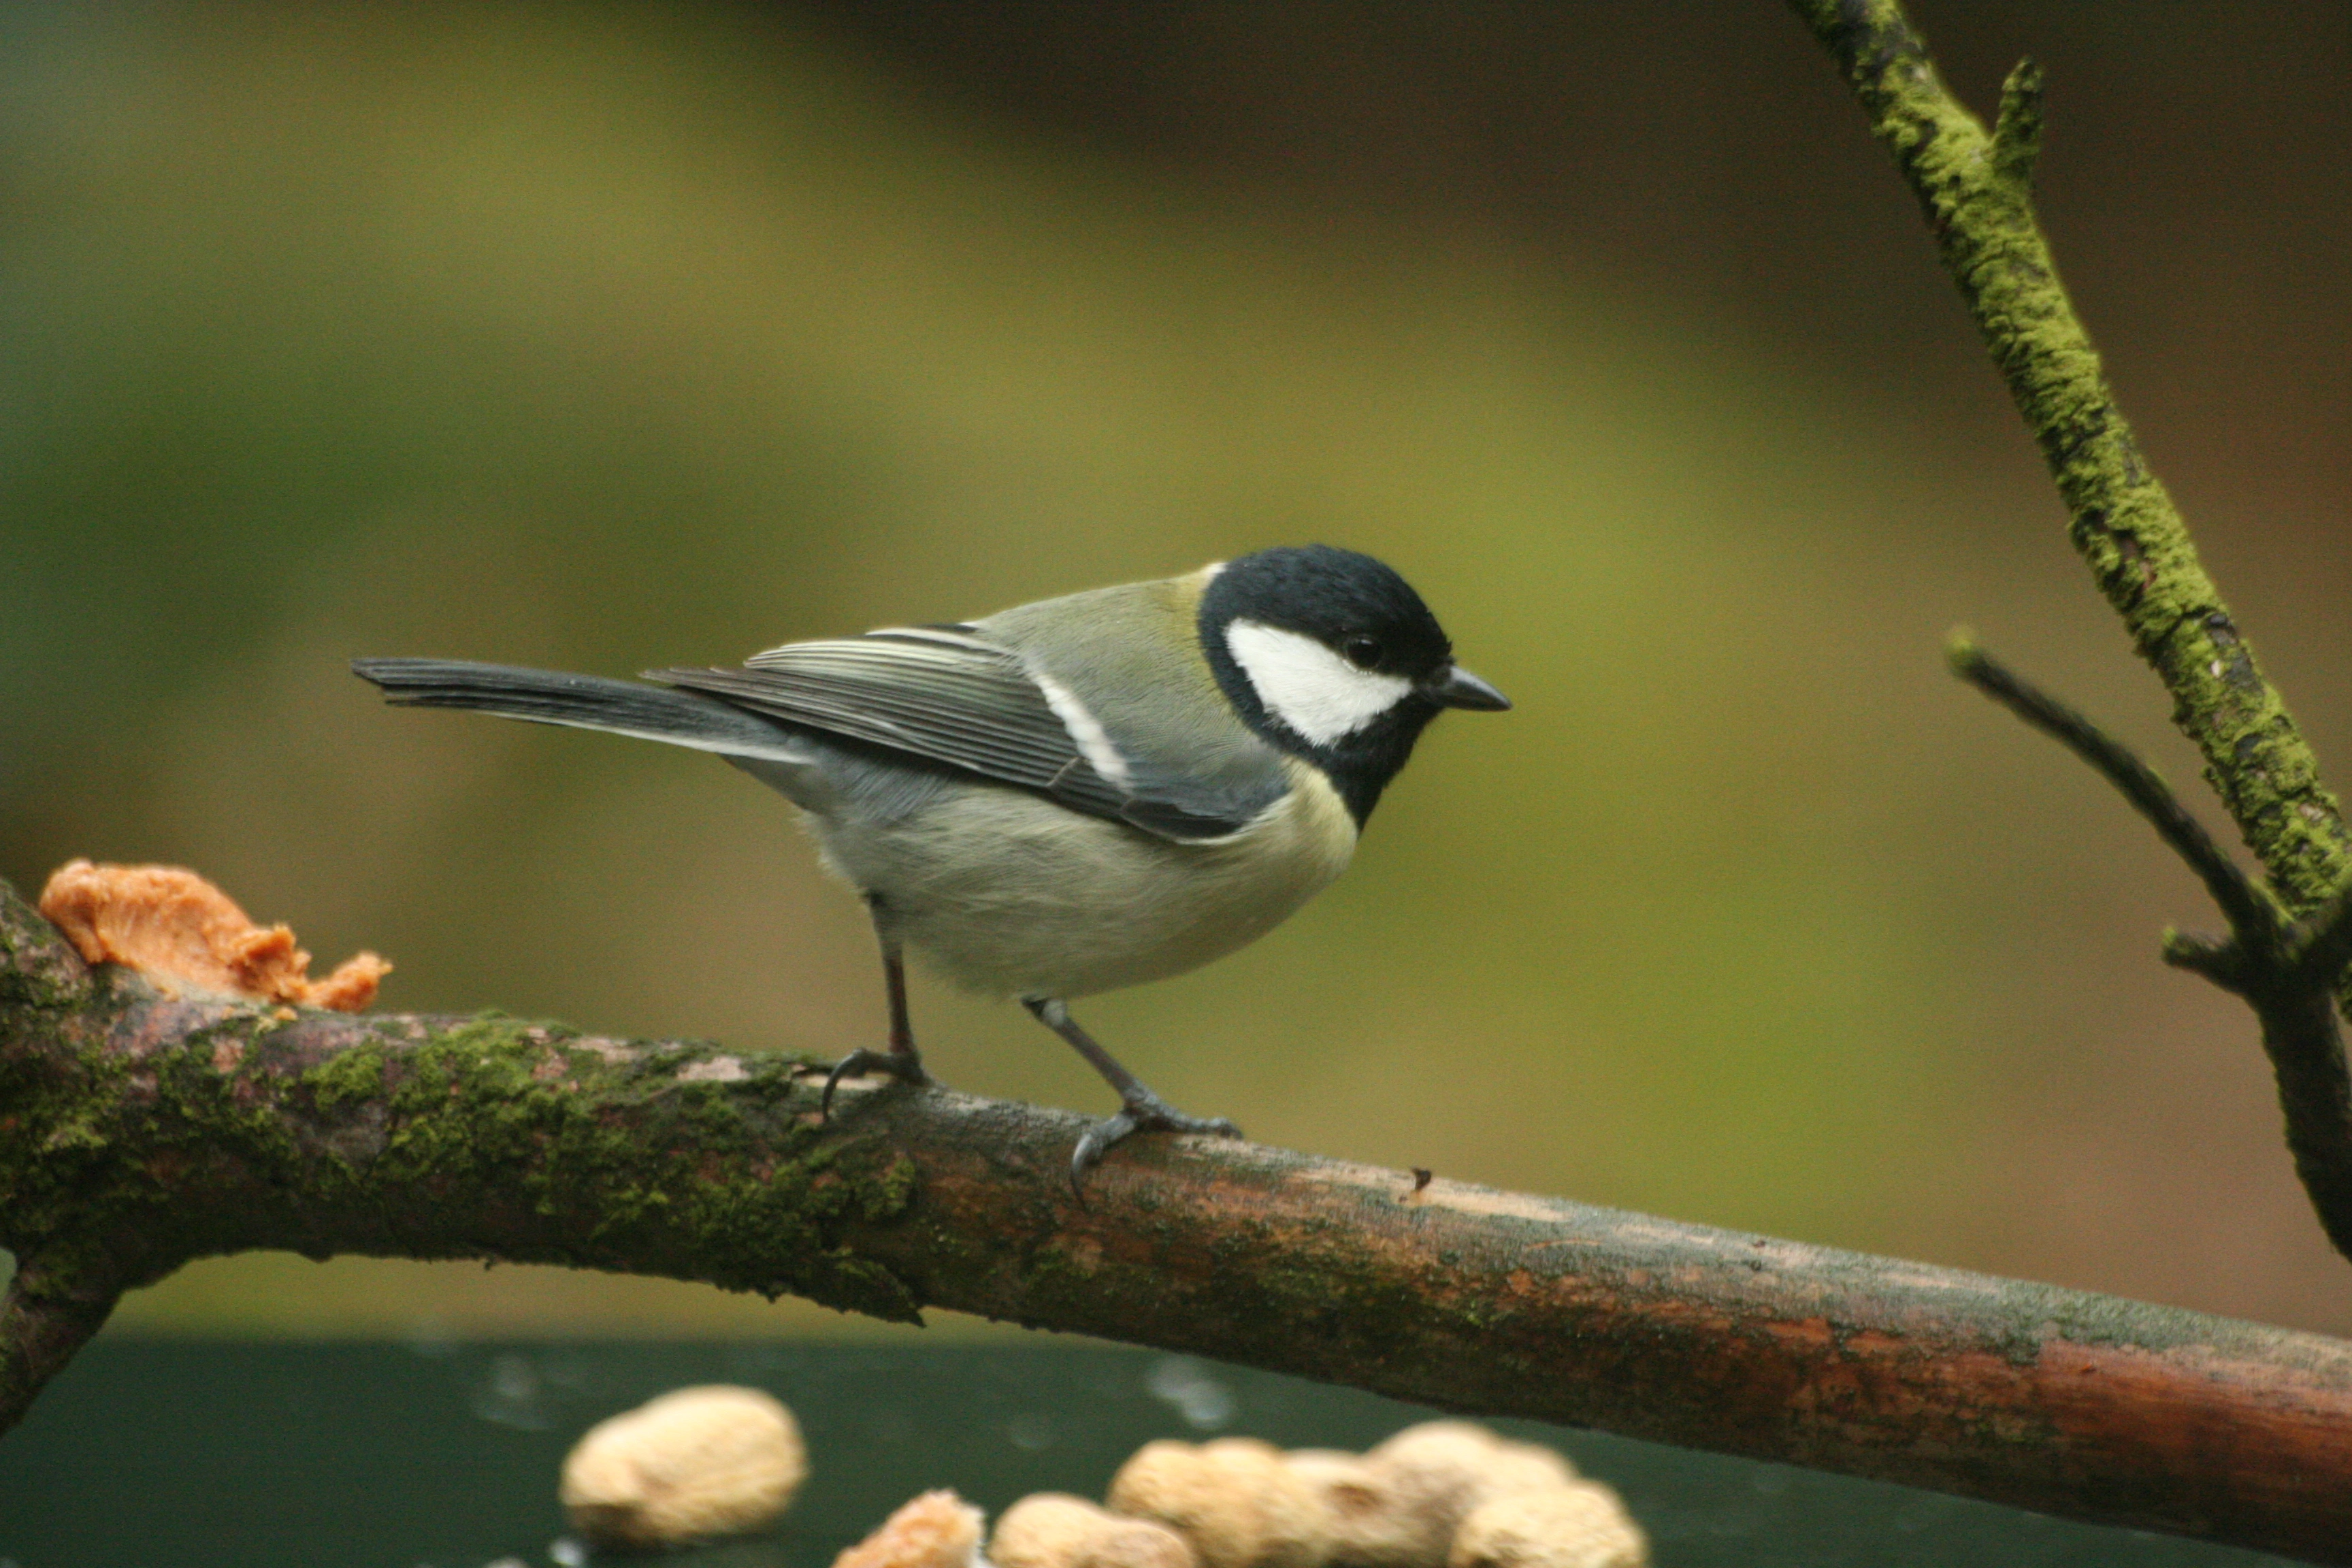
(1977,193)
(140,1131)
(1975,190)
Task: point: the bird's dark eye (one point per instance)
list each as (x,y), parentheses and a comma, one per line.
(1362,652)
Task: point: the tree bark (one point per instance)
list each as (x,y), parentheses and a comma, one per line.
(139,1130)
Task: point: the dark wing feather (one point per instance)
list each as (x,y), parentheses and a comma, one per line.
(938,695)
(944,696)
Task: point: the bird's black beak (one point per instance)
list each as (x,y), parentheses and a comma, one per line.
(1457,687)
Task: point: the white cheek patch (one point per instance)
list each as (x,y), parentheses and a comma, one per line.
(1307,686)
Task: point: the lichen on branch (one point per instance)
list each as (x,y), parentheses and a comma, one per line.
(1975,190)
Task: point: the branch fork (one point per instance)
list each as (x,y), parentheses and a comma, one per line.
(2286,969)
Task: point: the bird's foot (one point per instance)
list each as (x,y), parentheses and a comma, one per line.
(1143,1113)
(903,1065)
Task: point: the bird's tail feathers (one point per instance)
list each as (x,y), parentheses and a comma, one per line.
(581,701)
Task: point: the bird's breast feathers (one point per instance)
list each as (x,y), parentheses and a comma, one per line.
(1010,894)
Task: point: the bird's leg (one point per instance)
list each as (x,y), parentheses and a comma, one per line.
(1140,1108)
(901,1061)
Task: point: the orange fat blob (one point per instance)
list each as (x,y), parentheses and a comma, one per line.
(174,926)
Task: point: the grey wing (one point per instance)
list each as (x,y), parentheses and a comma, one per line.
(946,697)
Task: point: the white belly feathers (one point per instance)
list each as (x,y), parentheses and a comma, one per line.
(1011,895)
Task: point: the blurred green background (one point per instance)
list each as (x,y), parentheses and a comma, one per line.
(602,338)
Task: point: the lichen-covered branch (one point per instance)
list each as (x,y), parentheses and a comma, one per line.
(139,1130)
(1976,191)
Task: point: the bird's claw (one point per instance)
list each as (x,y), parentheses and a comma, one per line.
(904,1065)
(1093,1144)
(1146,1112)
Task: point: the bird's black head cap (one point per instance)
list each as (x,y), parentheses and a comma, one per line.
(1362,611)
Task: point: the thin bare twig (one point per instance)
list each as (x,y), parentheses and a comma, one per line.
(2246,905)
(2285,970)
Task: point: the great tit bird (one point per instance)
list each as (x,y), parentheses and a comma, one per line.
(1065,797)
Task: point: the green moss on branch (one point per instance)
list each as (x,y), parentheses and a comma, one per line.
(1976,193)
(140,1131)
